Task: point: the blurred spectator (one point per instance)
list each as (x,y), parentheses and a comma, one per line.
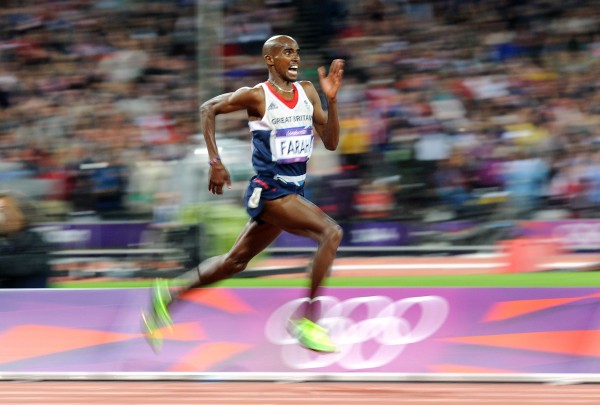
(527,178)
(24,255)
(452,183)
(373,201)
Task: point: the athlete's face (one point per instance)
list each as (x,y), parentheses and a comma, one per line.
(286,59)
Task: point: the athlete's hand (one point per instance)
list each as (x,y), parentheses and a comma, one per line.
(330,84)
(218,177)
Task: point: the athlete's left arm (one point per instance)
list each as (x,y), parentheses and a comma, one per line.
(327,123)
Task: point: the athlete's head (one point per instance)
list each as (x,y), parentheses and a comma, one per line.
(13,216)
(282,56)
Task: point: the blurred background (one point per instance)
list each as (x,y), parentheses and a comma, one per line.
(464,123)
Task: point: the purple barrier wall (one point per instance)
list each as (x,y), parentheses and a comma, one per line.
(377,233)
(99,235)
(403,330)
(107,235)
(574,233)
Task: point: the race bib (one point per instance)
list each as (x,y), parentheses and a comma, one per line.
(293,145)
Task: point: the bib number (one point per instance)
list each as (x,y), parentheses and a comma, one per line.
(293,145)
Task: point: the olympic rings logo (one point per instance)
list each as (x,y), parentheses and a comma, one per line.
(376,323)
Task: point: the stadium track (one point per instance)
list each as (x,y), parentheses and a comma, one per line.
(301,393)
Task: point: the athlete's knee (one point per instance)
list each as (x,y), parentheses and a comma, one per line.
(333,235)
(235,263)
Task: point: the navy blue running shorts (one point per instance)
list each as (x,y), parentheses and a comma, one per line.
(262,188)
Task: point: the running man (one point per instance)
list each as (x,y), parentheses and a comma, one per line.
(283,116)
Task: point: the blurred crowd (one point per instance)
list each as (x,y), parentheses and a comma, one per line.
(90,89)
(452,108)
(462,109)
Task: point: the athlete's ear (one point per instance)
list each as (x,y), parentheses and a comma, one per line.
(269,60)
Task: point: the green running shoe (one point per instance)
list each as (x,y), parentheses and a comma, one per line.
(152,332)
(161,297)
(157,317)
(312,336)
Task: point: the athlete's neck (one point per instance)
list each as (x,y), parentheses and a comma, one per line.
(282,89)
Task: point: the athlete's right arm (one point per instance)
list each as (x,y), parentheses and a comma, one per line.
(245,98)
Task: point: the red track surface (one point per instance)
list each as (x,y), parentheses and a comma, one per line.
(307,393)
(428,265)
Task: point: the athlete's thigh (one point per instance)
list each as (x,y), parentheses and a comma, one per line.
(297,215)
(254,238)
